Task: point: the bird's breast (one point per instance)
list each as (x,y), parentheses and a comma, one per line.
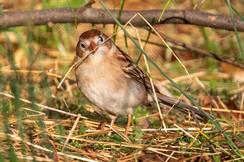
(105,85)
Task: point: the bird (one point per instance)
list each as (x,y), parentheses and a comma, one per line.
(110,79)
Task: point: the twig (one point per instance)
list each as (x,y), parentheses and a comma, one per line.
(223,110)
(161,153)
(169,156)
(38,72)
(40,105)
(100,16)
(67,73)
(200,51)
(47,150)
(71,132)
(184,131)
(122,144)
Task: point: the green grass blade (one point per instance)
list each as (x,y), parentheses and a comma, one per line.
(239,41)
(164,7)
(122,4)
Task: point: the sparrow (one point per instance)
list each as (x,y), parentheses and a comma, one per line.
(110,80)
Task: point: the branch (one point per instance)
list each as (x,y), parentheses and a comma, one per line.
(200,51)
(100,16)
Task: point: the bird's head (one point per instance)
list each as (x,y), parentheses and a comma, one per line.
(93,42)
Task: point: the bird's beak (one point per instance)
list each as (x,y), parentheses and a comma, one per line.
(92,47)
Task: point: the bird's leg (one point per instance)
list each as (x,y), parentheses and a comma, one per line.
(112,122)
(128,124)
(113,118)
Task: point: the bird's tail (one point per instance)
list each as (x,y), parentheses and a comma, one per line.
(196,112)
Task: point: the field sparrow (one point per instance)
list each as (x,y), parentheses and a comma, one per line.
(109,78)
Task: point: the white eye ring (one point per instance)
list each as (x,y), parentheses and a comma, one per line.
(100,39)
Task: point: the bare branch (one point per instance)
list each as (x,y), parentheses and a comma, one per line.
(201,51)
(99,16)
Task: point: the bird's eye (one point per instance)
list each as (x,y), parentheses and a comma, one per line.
(100,39)
(82,45)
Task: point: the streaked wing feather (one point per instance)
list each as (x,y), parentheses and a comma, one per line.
(132,70)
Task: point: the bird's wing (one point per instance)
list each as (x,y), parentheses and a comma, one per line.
(132,70)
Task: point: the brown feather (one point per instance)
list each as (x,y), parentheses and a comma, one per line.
(90,33)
